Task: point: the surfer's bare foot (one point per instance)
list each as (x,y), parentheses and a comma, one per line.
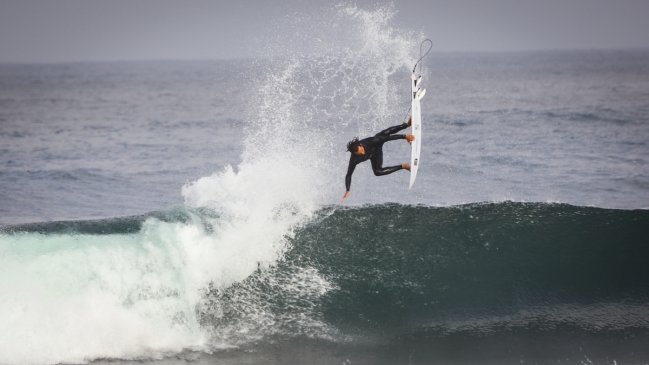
(405,166)
(410,121)
(410,138)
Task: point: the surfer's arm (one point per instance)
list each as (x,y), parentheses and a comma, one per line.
(348,177)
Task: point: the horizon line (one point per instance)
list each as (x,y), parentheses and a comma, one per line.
(252,58)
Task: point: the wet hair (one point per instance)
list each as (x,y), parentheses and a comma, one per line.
(353,145)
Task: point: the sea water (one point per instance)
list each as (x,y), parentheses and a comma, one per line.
(189,210)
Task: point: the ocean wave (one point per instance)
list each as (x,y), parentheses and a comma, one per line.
(365,272)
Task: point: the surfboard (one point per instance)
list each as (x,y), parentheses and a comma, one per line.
(417,94)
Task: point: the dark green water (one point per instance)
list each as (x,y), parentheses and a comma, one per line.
(507,282)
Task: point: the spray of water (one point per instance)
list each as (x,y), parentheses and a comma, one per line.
(74,298)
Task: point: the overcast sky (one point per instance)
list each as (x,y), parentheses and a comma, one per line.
(81,30)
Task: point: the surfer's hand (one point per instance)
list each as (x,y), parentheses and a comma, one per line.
(410,138)
(405,166)
(344,197)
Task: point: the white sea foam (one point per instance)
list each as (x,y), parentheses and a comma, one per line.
(73,298)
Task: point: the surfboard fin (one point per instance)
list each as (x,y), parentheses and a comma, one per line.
(418,80)
(420,94)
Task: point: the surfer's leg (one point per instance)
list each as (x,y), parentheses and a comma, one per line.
(393,130)
(377,165)
(387,170)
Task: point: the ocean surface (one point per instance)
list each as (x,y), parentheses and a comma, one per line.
(168,212)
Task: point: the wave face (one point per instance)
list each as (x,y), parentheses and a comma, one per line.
(480,267)
(404,276)
(507,282)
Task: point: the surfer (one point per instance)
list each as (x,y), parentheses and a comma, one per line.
(371,148)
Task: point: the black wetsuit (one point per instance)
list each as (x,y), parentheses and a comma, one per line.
(374,152)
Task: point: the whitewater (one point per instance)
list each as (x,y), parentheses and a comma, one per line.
(174,211)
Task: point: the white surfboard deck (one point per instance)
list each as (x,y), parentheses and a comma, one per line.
(416,95)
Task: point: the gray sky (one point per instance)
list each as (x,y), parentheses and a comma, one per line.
(80,30)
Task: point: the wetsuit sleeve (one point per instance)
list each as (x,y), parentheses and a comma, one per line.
(350,171)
